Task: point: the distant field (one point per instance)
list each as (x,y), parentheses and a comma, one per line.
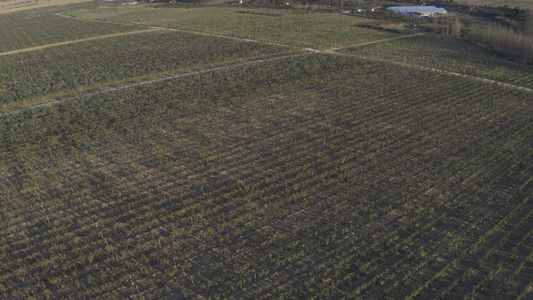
(523,4)
(452,55)
(284,26)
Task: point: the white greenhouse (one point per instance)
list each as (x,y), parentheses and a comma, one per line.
(417,11)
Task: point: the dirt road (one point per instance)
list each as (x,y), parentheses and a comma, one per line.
(75,41)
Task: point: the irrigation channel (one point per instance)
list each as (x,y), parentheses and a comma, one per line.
(207,70)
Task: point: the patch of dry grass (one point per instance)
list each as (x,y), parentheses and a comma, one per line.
(9,6)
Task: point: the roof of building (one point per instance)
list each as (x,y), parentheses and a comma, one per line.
(417,9)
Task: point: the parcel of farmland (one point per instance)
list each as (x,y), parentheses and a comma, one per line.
(197,151)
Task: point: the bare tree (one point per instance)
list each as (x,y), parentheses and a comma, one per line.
(528,23)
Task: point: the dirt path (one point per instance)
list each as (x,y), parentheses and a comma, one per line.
(208,70)
(190,31)
(137,84)
(374,42)
(76,41)
(151,28)
(479,79)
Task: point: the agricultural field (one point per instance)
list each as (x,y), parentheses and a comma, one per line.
(320,31)
(30,29)
(263,181)
(265,171)
(449,54)
(36,76)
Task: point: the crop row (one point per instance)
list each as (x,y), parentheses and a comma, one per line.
(271,182)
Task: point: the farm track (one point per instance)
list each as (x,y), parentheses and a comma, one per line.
(413,66)
(76,41)
(191,31)
(142,83)
(374,42)
(151,28)
(208,70)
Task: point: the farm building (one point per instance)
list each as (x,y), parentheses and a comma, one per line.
(417,11)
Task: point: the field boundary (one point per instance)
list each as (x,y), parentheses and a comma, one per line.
(190,31)
(374,42)
(150,28)
(479,79)
(230,37)
(36,48)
